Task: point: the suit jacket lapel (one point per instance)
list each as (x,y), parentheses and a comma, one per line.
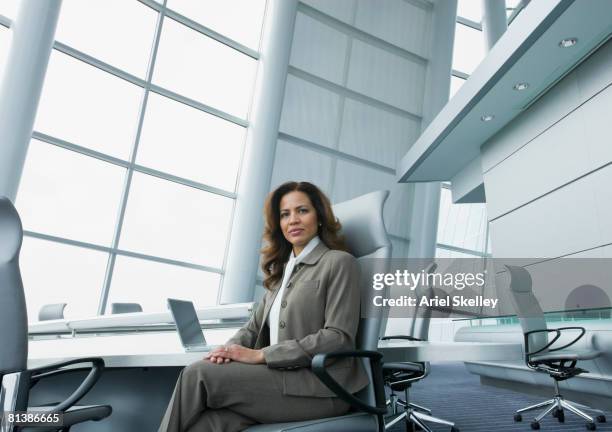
(311,259)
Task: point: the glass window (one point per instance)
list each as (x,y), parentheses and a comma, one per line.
(455,85)
(201,68)
(470,9)
(461,225)
(468,51)
(189,143)
(67,194)
(117,32)
(240,20)
(58,273)
(9,8)
(150,283)
(86,106)
(178,222)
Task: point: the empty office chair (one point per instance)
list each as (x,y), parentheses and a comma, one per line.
(15,377)
(366,237)
(121,308)
(540,355)
(399,376)
(51,312)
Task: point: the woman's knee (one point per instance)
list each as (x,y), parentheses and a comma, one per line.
(197,372)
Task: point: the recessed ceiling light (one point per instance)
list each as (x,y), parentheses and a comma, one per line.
(521,86)
(487,117)
(569,42)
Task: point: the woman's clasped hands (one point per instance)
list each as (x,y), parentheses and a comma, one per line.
(227,353)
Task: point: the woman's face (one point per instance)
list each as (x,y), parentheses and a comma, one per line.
(298,219)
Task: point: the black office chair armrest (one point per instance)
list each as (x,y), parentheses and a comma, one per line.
(320,370)
(97,366)
(410,338)
(526,336)
(582,333)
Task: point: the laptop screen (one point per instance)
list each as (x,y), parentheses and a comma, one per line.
(187,323)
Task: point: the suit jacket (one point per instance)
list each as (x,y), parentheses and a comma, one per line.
(319,314)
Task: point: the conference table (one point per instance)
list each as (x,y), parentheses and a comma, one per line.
(160,349)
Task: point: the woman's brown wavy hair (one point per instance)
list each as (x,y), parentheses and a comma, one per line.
(276,250)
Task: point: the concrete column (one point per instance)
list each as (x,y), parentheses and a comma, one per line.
(494,22)
(247,227)
(424,220)
(468,185)
(26,65)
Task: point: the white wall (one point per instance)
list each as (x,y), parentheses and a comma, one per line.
(548,173)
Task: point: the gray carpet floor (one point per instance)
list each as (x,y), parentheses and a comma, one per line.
(454,394)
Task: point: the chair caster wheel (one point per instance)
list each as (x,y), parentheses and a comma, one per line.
(591,426)
(454,429)
(601,418)
(560,415)
(518,417)
(555,412)
(535,425)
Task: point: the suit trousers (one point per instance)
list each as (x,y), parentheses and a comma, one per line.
(230,397)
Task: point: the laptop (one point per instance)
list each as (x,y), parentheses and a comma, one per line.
(188,325)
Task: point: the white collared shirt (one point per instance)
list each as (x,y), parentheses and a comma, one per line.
(274,315)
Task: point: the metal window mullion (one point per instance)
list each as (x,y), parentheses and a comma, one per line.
(92,61)
(469,23)
(183,181)
(131,166)
(119,73)
(106,249)
(197,105)
(5,21)
(459,74)
(202,29)
(79,149)
(128,182)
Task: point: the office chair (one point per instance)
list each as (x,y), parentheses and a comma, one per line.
(51,312)
(558,363)
(121,308)
(399,376)
(15,377)
(366,238)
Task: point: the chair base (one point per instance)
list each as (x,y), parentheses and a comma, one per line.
(557,407)
(419,419)
(414,415)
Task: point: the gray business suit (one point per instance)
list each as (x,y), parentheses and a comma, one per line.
(319,313)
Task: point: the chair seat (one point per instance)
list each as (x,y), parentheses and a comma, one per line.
(400,376)
(74,415)
(357,422)
(565,355)
(403,367)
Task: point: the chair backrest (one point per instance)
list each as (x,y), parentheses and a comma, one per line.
(51,312)
(13,312)
(527,307)
(366,237)
(121,308)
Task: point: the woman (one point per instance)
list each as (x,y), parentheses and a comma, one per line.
(311,306)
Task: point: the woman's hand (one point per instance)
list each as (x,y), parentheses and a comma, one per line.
(214,356)
(237,353)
